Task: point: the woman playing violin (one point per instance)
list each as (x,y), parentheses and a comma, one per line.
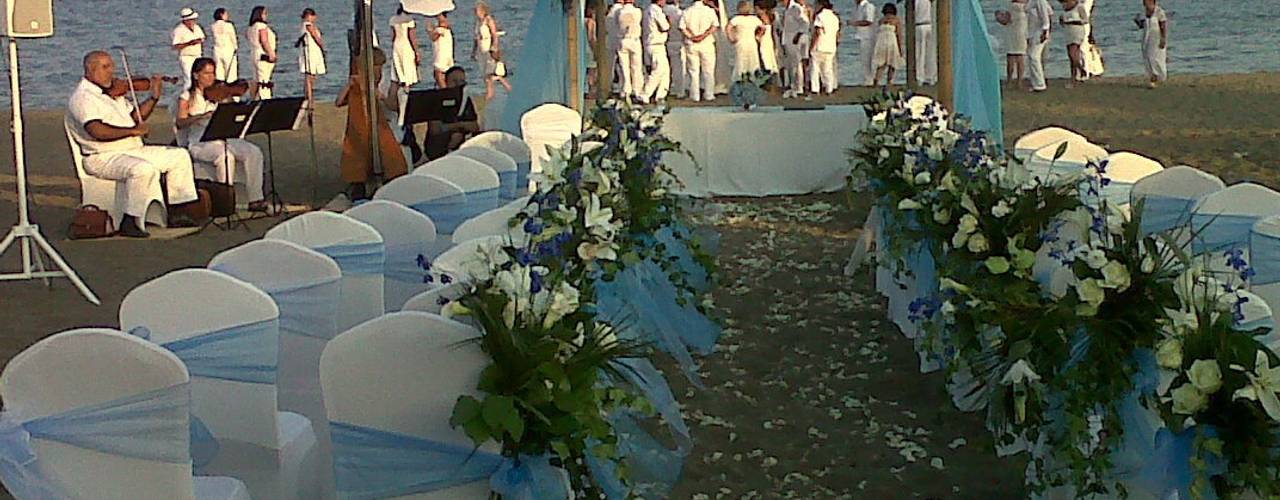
(228,158)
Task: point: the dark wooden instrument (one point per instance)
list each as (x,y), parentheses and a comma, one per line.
(221,91)
(120,87)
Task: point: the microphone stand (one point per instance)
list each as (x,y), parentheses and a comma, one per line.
(311,124)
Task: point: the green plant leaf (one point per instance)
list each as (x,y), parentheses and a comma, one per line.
(464,411)
(497,411)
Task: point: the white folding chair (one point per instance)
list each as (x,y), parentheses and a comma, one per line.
(403,373)
(111,195)
(512,146)
(441,200)
(1039,138)
(224,329)
(1168,197)
(81,368)
(355,246)
(496,222)
(469,259)
(548,125)
(410,240)
(1077,155)
(307,288)
(505,166)
(1124,169)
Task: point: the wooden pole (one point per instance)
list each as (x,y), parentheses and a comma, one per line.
(572,14)
(946,73)
(912,56)
(364,21)
(604,72)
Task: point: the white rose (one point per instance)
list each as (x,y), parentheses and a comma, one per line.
(978,244)
(1096,258)
(948,182)
(1169,354)
(884,153)
(923,178)
(1148,265)
(997,265)
(1187,400)
(1001,209)
(1205,376)
(1115,275)
(563,302)
(968,224)
(1090,292)
(959,239)
(909,204)
(942,216)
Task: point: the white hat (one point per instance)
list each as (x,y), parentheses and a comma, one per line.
(187,14)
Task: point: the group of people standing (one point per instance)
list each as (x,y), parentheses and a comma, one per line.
(406,54)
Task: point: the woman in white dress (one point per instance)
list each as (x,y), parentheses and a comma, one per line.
(768,42)
(888,55)
(745,32)
(262,41)
(1015,42)
(1075,22)
(404,48)
(231,158)
(311,59)
(225,43)
(442,48)
(487,51)
(1155,42)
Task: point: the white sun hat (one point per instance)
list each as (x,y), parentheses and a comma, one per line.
(187,13)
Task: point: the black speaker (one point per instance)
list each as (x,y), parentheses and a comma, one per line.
(27,18)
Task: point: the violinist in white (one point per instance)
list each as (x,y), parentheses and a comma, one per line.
(225,43)
(188,40)
(230,157)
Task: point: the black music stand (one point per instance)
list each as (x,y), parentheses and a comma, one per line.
(229,121)
(434,105)
(275,115)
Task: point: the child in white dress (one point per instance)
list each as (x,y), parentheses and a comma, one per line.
(442,48)
(311,57)
(889,44)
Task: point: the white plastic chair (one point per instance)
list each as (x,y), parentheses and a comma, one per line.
(1078,154)
(502,164)
(437,198)
(111,195)
(1168,196)
(373,376)
(468,259)
(307,288)
(410,240)
(1039,138)
(273,452)
(496,222)
(324,232)
(510,145)
(548,125)
(90,366)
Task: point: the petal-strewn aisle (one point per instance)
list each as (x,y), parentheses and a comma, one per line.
(812,393)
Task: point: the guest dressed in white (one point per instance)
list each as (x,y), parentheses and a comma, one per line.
(225,43)
(744,32)
(630,49)
(404,48)
(311,59)
(1039,20)
(864,31)
(262,42)
(656,26)
(675,48)
(230,158)
(926,44)
(890,47)
(442,48)
(768,41)
(1015,42)
(699,24)
(826,33)
(188,40)
(796,27)
(109,131)
(1155,42)
(1075,24)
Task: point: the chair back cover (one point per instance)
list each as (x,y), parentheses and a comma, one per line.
(1264,251)
(1123,170)
(1036,139)
(433,301)
(410,240)
(441,200)
(80,368)
(481,183)
(355,246)
(1223,220)
(1170,194)
(551,125)
(402,373)
(468,259)
(1078,154)
(510,145)
(496,222)
(189,306)
(506,168)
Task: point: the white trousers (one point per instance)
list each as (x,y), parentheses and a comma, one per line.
(675,58)
(226,65)
(926,55)
(658,84)
(1035,62)
(793,56)
(138,168)
(184,65)
(822,72)
(239,159)
(262,73)
(867,53)
(631,62)
(700,68)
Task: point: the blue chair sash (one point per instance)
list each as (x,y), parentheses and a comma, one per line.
(408,262)
(147,426)
(309,309)
(523,169)
(1220,232)
(510,182)
(447,213)
(1164,213)
(243,353)
(1116,193)
(356,258)
(371,463)
(1264,258)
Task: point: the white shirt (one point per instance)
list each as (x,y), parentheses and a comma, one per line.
(442,48)
(252,34)
(224,36)
(196,104)
(674,13)
(612,19)
(864,11)
(400,25)
(830,24)
(89,102)
(699,18)
(924,12)
(629,17)
(795,20)
(656,25)
(183,35)
(1039,18)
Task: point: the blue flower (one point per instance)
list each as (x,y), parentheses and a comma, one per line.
(441,301)
(423,263)
(574,176)
(535,282)
(445,279)
(533,226)
(524,257)
(428,278)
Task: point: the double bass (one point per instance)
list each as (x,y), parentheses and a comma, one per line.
(357,163)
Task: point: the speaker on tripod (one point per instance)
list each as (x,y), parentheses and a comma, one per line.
(27,18)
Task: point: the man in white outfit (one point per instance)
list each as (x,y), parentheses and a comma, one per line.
(826,33)
(630,51)
(796,26)
(926,45)
(656,26)
(109,132)
(614,41)
(675,48)
(1039,20)
(699,24)
(864,31)
(188,40)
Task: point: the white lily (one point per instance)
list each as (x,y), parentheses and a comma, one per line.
(599,221)
(909,204)
(598,251)
(1021,372)
(1264,383)
(563,302)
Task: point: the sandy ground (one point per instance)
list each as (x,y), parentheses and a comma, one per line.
(812,394)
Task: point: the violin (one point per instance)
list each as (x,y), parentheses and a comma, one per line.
(120,87)
(221,90)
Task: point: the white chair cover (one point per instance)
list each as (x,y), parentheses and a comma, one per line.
(1223,220)
(111,195)
(441,200)
(410,240)
(479,181)
(548,125)
(496,222)
(373,376)
(510,145)
(1078,154)
(90,366)
(502,164)
(468,259)
(353,245)
(272,452)
(1039,138)
(1264,250)
(1169,197)
(433,301)
(1124,169)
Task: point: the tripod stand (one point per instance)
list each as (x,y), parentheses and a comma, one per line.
(25,233)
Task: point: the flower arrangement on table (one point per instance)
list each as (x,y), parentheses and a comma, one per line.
(748,90)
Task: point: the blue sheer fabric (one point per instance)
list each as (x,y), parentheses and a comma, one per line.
(371,463)
(675,240)
(408,262)
(356,258)
(542,73)
(1116,193)
(627,303)
(447,213)
(977,76)
(242,353)
(1264,258)
(1163,213)
(523,169)
(652,467)
(309,309)
(509,181)
(1221,232)
(147,426)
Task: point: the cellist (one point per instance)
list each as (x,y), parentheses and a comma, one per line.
(357,165)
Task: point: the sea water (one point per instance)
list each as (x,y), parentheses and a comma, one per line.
(1205,37)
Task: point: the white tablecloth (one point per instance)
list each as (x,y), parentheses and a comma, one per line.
(767,151)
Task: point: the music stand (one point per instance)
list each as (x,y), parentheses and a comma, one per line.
(434,105)
(275,115)
(229,121)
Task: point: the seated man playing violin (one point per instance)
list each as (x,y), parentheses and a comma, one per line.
(109,129)
(231,158)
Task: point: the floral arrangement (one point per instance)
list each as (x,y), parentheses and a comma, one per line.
(748,91)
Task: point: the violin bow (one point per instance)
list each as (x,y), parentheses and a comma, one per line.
(128,77)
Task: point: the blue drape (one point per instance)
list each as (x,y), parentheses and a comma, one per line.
(541,70)
(977,77)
